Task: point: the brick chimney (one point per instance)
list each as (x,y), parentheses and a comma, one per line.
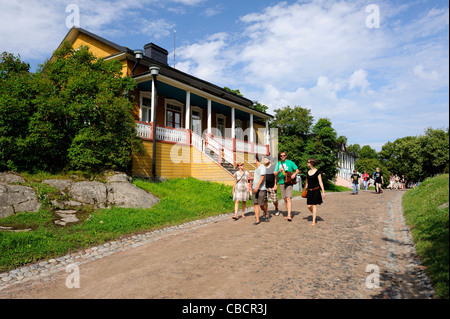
(156,53)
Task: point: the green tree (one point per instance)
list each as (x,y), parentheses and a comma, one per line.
(354,149)
(80,117)
(367,152)
(16,107)
(434,147)
(294,128)
(322,146)
(417,157)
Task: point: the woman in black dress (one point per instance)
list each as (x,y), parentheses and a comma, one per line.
(314,185)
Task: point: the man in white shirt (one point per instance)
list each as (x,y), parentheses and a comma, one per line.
(259,190)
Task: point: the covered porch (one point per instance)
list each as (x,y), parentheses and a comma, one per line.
(222,130)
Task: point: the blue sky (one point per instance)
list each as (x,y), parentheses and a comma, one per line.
(376,83)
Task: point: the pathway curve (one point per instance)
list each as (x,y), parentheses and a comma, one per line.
(356,237)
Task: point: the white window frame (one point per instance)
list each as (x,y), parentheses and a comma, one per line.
(175,103)
(239,135)
(221,116)
(147,95)
(199,110)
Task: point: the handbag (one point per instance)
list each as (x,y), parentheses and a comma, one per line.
(287,177)
(305,192)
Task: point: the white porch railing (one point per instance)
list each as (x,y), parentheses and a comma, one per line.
(145,130)
(217,147)
(260,149)
(171,135)
(198,142)
(223,147)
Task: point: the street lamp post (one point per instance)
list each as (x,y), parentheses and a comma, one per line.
(154,71)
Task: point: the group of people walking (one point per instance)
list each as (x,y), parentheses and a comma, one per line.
(377,177)
(265,182)
(395,181)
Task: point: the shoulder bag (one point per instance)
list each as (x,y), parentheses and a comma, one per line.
(287,177)
(304,192)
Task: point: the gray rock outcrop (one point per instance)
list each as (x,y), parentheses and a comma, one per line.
(16,198)
(117,191)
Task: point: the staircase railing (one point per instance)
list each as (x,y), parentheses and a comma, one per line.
(218,146)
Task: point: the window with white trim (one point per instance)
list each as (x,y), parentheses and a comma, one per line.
(146,109)
(220,124)
(196,120)
(174,111)
(239,133)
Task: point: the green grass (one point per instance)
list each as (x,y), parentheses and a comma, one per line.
(426,212)
(181,200)
(330,187)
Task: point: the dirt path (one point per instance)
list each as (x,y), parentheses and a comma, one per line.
(278,259)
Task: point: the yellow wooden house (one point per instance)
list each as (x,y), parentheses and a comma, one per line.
(189,127)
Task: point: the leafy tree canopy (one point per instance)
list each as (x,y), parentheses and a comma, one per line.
(76,115)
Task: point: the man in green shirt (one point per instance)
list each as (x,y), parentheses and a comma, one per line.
(282,167)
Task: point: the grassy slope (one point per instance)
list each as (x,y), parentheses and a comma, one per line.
(426,212)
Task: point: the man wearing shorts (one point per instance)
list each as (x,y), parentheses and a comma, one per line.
(271,185)
(283,166)
(259,190)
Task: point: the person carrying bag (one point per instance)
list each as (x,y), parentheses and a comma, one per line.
(285,173)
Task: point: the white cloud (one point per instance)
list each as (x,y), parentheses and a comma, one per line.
(207,60)
(419,71)
(359,79)
(213,11)
(319,55)
(300,41)
(29,28)
(157,29)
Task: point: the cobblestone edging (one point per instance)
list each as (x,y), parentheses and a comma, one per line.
(46,268)
(400,244)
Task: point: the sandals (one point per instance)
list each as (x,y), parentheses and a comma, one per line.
(235,217)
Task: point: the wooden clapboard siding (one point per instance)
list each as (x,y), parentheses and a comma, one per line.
(178,161)
(249,159)
(202,167)
(172,160)
(99,49)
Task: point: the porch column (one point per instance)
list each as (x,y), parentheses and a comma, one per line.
(233,123)
(252,135)
(188,111)
(233,128)
(209,117)
(267,133)
(152,117)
